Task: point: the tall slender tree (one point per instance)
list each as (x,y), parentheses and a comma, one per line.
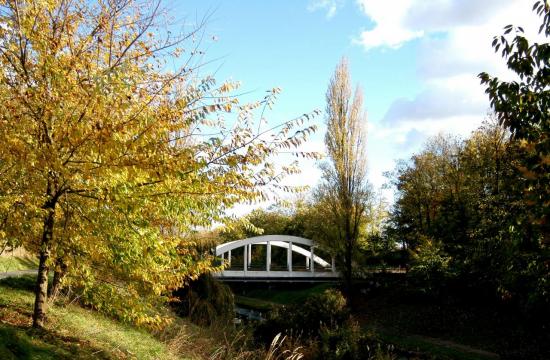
(345,189)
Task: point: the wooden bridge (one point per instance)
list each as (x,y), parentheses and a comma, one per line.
(253,259)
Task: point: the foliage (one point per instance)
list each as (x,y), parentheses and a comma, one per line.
(273,221)
(305,319)
(340,343)
(522,107)
(449,326)
(110,156)
(422,186)
(430,266)
(238,347)
(205,301)
(344,188)
(462,212)
(275,351)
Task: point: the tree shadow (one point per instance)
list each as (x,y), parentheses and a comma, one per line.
(28,262)
(27,343)
(15,263)
(25,282)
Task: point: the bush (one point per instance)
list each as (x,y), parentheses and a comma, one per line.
(430,269)
(325,310)
(340,343)
(205,301)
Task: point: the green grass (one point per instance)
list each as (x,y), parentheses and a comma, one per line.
(431,347)
(108,335)
(26,282)
(447,327)
(18,344)
(73,332)
(15,263)
(286,297)
(253,303)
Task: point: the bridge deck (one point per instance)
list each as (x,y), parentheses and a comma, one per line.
(277,276)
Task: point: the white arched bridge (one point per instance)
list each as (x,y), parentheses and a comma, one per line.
(274,257)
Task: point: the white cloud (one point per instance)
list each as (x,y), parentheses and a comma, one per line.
(389,30)
(399,21)
(440,15)
(453,96)
(453,45)
(330,6)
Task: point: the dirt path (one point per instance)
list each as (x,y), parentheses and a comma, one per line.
(410,341)
(454,345)
(17,273)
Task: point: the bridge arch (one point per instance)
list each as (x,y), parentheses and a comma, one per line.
(291,243)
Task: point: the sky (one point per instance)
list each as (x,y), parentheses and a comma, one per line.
(416,60)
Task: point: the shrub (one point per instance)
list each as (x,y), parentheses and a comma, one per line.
(430,268)
(325,310)
(341,342)
(205,301)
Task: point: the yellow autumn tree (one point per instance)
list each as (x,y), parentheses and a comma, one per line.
(110,155)
(344,191)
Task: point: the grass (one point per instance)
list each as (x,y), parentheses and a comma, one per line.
(427,347)
(73,332)
(446,327)
(265,299)
(253,303)
(285,296)
(433,347)
(15,263)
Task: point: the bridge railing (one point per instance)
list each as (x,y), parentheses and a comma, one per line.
(294,256)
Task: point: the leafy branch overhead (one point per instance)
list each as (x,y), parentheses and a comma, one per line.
(522,106)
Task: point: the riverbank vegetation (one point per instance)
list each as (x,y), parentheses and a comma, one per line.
(116,164)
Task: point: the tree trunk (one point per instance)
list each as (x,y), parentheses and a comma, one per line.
(41,291)
(58,275)
(348,270)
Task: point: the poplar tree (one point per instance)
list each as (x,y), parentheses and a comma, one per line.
(345,189)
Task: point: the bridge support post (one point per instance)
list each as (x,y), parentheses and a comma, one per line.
(268,257)
(333,265)
(307,262)
(249,254)
(312,261)
(245,259)
(229,258)
(289,256)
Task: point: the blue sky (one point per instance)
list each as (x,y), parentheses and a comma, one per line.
(417,61)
